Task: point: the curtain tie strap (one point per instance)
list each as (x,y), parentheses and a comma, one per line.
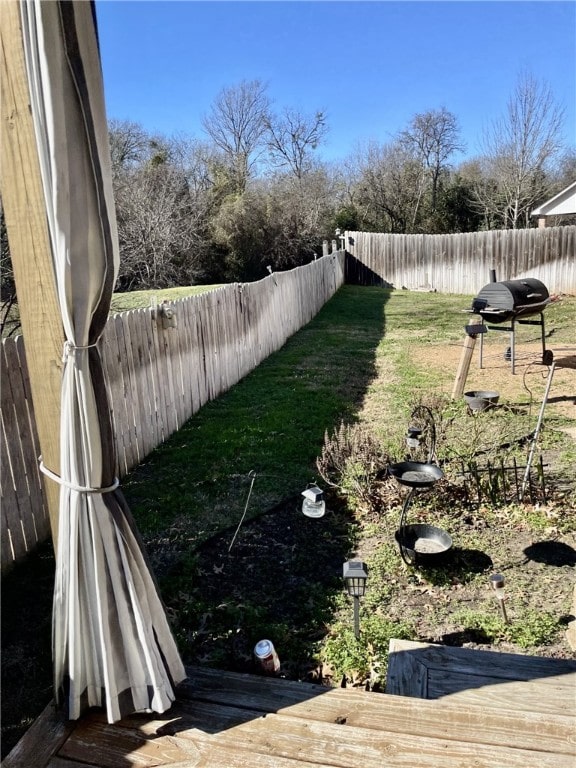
(70,348)
(73,486)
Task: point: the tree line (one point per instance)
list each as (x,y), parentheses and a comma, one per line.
(251,194)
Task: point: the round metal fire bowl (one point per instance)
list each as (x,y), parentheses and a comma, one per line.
(415,474)
(421,543)
(481,400)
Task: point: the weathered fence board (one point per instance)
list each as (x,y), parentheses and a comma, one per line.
(158,377)
(25,520)
(461,263)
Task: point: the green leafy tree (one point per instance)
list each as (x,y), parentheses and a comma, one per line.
(455,210)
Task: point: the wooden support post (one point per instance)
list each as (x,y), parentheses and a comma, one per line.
(25,212)
(464,366)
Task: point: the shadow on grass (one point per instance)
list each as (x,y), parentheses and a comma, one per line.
(459,565)
(555,553)
(272,423)
(283,573)
(279,580)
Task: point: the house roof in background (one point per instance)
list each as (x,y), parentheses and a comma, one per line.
(562,203)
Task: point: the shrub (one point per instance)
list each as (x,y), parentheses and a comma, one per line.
(363,661)
(351,460)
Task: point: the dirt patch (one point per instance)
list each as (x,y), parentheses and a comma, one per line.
(278,579)
(26,643)
(284,560)
(445,600)
(526,385)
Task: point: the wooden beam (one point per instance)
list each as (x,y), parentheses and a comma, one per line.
(25,212)
(464,366)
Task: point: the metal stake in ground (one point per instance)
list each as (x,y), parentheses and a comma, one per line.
(537,430)
(251,474)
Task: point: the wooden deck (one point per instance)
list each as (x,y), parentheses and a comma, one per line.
(231,720)
(483,678)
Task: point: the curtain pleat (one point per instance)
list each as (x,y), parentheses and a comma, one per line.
(112,645)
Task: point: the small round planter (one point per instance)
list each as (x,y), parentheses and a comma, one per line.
(481,400)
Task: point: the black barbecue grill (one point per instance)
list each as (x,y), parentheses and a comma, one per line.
(499,302)
(512,301)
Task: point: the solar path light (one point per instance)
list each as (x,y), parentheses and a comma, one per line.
(313,504)
(497,581)
(413,437)
(355,574)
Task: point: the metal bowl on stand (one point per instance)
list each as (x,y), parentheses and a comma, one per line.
(424,544)
(420,543)
(415,474)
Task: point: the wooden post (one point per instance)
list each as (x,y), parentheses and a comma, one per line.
(465,358)
(25,212)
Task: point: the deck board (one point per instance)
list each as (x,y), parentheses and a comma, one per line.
(232,720)
(283,737)
(509,681)
(368,710)
(543,696)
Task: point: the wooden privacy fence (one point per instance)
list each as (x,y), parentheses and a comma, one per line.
(24,514)
(159,375)
(461,263)
(162,364)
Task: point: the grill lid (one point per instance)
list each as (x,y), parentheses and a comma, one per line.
(502,301)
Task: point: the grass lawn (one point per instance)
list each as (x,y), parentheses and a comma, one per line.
(219,504)
(122,302)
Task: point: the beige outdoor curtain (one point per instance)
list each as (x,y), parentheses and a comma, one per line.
(112,645)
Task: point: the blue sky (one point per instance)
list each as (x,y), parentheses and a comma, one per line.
(371,65)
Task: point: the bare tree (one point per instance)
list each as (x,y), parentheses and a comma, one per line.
(566,171)
(433,137)
(390,188)
(236,124)
(129,144)
(520,148)
(291,138)
(163,207)
(483,199)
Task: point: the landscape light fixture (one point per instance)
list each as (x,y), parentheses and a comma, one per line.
(413,437)
(313,504)
(355,574)
(497,581)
